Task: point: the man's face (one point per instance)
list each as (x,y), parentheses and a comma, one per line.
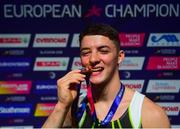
(100,53)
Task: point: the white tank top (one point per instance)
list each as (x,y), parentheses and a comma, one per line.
(135,109)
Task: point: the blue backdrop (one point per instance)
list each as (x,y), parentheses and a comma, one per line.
(39,44)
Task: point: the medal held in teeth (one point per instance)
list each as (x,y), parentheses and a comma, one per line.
(86,70)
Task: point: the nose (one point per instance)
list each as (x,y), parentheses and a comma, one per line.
(94,58)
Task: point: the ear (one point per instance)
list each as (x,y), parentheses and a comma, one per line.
(121,56)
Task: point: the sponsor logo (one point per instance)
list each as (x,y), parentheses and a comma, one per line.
(134,84)
(13,52)
(172,109)
(44,109)
(75,40)
(164,98)
(50,52)
(165,74)
(13,110)
(50,40)
(132,39)
(164,40)
(126,74)
(15,87)
(45,87)
(14,40)
(163,63)
(15,99)
(166,51)
(131,51)
(51,63)
(16,64)
(76,63)
(52,75)
(13,121)
(14,75)
(132,63)
(163,86)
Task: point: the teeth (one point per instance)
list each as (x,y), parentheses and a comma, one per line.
(96,69)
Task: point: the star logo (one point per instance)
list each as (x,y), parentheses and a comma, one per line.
(93,11)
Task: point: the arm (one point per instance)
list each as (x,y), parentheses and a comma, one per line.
(57,118)
(67,92)
(153,116)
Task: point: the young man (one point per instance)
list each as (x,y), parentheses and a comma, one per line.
(107,102)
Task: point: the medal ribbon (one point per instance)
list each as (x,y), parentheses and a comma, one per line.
(112,109)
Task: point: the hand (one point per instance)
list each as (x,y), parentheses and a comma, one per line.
(67,87)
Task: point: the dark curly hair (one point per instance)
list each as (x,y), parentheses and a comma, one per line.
(101,29)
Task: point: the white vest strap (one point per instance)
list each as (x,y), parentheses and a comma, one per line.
(135,109)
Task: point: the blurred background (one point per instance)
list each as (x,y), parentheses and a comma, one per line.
(39,44)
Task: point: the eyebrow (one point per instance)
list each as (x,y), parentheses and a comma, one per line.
(104,46)
(100,47)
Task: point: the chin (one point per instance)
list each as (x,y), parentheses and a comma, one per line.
(96,81)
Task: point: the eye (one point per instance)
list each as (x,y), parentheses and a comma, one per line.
(85,53)
(104,50)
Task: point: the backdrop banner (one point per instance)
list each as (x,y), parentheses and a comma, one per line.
(39,44)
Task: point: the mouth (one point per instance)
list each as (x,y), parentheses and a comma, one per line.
(97,69)
(91,70)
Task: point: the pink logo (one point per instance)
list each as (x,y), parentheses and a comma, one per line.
(164,63)
(131,39)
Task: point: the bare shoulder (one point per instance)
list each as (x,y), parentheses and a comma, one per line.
(153,116)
